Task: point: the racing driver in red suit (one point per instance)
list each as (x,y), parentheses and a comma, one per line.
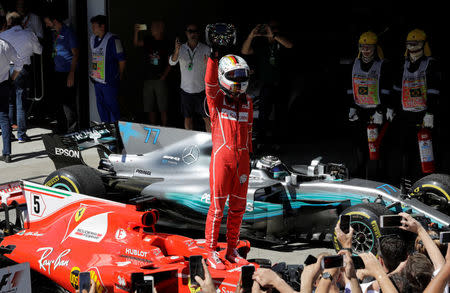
(231,113)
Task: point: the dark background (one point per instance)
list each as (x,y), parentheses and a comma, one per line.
(325,34)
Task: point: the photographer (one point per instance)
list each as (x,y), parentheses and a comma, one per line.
(269,278)
(376,270)
(345,239)
(268,47)
(440,282)
(412,225)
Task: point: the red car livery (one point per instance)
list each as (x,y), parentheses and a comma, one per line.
(66,233)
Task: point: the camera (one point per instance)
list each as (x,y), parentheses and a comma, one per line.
(289,273)
(262,29)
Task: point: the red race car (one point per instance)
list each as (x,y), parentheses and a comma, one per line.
(61,234)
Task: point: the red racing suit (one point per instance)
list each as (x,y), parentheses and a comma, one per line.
(231,129)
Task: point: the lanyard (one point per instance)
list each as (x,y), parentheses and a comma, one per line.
(54,53)
(191,57)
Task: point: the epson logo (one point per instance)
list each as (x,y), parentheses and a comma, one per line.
(67,153)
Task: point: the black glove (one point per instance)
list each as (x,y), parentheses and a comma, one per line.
(217,52)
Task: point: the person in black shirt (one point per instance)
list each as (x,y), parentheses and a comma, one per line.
(156,70)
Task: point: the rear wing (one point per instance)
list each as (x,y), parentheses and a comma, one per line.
(11,192)
(65,150)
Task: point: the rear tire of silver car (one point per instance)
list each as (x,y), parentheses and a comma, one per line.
(365,222)
(79,179)
(433,190)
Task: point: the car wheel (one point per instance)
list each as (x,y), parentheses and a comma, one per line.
(78,179)
(434,191)
(365,221)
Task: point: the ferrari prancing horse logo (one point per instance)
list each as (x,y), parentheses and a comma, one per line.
(79,214)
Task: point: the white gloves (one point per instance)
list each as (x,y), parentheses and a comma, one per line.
(377,118)
(428,120)
(390,114)
(352,116)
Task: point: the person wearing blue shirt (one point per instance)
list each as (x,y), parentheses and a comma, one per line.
(65,56)
(107,67)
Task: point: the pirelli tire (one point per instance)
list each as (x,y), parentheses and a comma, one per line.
(433,190)
(79,179)
(365,221)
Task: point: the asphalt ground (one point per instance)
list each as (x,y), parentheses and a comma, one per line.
(30,162)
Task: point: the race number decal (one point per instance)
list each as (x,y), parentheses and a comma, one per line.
(156,131)
(38,205)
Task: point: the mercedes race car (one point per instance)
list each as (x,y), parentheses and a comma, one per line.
(168,169)
(61,234)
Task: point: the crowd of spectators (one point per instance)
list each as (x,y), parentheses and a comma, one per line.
(400,266)
(421,264)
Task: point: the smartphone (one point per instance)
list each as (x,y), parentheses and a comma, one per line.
(136,281)
(344,223)
(196,268)
(332,261)
(444,237)
(358,263)
(390,221)
(142,27)
(310,260)
(262,29)
(84,279)
(145,286)
(247,278)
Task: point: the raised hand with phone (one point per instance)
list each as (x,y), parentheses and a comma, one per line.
(85,283)
(408,223)
(200,275)
(344,238)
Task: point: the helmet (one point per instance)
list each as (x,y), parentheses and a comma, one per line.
(273,166)
(418,35)
(233,74)
(370,38)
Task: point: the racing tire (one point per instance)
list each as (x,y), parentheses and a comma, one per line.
(79,179)
(365,221)
(433,190)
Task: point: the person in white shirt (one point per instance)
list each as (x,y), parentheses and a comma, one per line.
(7,55)
(30,21)
(26,44)
(192,57)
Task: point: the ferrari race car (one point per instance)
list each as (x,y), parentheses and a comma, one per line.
(61,233)
(168,169)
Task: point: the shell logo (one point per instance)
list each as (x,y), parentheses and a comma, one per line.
(74,273)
